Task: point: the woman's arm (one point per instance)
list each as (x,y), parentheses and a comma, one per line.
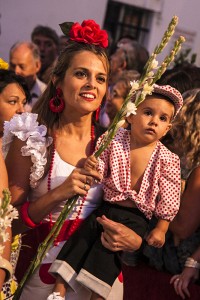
(187,220)
(117,237)
(6,253)
(19,167)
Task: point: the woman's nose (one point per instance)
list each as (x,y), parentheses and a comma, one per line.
(20,109)
(91,83)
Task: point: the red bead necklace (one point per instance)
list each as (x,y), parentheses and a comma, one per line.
(75,222)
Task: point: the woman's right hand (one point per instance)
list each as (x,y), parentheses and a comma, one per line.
(78,182)
(182,281)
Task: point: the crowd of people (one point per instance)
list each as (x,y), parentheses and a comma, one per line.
(133,232)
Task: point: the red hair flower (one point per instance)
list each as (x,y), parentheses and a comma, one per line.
(88,32)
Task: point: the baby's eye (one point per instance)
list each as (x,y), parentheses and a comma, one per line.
(163,118)
(148,113)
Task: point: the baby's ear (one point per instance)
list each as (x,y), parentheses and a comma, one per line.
(168,128)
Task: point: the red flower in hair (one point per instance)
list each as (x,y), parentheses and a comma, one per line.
(89,32)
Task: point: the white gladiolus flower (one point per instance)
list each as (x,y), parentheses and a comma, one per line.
(5,236)
(154,64)
(147,89)
(130,109)
(7,214)
(134,85)
(1,248)
(120,124)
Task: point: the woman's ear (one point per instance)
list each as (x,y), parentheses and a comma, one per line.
(53,79)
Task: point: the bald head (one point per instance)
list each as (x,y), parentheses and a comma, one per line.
(25,61)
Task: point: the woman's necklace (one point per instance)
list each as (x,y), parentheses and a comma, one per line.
(75,222)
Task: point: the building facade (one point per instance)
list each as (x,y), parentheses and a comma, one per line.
(145,20)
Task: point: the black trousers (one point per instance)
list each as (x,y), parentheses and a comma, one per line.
(84,249)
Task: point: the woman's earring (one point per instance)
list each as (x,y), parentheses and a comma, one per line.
(57,104)
(97,113)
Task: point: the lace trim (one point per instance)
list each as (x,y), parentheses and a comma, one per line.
(25,127)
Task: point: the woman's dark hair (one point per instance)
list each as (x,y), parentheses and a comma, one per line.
(8,77)
(45,115)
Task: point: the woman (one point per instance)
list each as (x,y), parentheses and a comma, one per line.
(13,97)
(6,253)
(118,92)
(55,141)
(153,283)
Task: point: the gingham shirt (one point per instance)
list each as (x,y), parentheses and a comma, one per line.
(161,184)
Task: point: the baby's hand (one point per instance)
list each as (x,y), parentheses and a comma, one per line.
(90,163)
(156,238)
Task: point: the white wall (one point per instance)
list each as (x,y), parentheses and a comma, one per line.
(19,17)
(189,24)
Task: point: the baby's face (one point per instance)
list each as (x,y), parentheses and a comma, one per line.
(153,119)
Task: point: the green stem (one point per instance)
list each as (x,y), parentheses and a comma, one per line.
(45,245)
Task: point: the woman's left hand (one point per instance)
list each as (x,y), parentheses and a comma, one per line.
(181,281)
(117,237)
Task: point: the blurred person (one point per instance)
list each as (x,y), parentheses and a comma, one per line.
(25,61)
(119,92)
(128,56)
(62,42)
(183,237)
(13,96)
(47,40)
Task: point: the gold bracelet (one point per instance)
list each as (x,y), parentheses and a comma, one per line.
(191,263)
(6,265)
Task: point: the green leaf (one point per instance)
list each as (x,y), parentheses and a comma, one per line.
(65,27)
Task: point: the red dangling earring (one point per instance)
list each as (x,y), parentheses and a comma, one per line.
(97,113)
(57,104)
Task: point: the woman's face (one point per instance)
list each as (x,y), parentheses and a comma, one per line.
(84,84)
(12,101)
(115,99)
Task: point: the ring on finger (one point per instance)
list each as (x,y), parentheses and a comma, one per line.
(84,187)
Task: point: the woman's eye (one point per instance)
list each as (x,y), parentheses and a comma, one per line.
(80,74)
(12,102)
(101,79)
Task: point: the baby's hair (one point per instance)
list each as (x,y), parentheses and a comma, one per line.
(164,97)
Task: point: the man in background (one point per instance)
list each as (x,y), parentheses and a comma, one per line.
(48,42)
(25,60)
